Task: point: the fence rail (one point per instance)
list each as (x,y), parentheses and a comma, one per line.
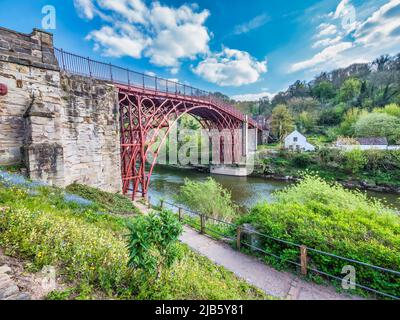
(305,267)
(85,66)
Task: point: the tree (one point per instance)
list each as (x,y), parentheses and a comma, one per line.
(207,197)
(323,91)
(282,121)
(332,117)
(349,120)
(355,160)
(306,121)
(153,242)
(350,90)
(392,109)
(378,125)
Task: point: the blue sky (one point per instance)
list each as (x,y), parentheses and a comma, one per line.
(246,49)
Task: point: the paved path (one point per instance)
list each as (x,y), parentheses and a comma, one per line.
(279,284)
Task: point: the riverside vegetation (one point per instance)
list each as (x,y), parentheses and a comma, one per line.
(91,250)
(379,169)
(325,216)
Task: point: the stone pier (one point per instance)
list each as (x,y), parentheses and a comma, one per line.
(63,128)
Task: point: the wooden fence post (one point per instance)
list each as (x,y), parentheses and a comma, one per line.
(149,202)
(180,214)
(238,237)
(161,204)
(303,260)
(202,223)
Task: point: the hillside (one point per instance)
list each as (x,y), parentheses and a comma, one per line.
(332,102)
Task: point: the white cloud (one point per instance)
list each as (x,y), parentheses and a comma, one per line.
(354,41)
(125,40)
(253,24)
(163,34)
(327,42)
(326,29)
(331,53)
(377,30)
(231,68)
(253,96)
(85,8)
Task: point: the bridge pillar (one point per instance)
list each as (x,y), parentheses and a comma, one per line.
(245,136)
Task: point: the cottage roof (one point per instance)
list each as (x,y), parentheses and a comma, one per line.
(377,141)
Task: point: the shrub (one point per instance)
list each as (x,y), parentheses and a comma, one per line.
(355,160)
(302,160)
(330,218)
(208,197)
(153,241)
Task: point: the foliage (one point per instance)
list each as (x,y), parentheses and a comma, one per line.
(323,90)
(330,218)
(153,241)
(282,122)
(302,160)
(90,252)
(350,90)
(377,167)
(108,202)
(378,125)
(349,120)
(392,109)
(207,197)
(355,160)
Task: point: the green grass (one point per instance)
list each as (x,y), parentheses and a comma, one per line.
(90,251)
(110,202)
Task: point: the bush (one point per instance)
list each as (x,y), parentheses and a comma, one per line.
(302,160)
(208,197)
(330,218)
(153,241)
(355,160)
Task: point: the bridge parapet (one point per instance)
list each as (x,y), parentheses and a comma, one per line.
(143,83)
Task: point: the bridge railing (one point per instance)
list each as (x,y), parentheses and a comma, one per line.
(85,66)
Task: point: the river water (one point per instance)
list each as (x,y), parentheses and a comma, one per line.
(246,191)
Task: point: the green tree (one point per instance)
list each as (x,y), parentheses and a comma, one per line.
(355,160)
(350,90)
(392,109)
(378,125)
(306,121)
(207,197)
(349,121)
(324,90)
(153,242)
(282,121)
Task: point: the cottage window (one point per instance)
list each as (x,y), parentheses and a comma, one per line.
(295,139)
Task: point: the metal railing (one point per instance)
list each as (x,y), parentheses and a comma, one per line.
(84,66)
(189,217)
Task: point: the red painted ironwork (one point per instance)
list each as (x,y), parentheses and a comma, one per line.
(143,113)
(148,104)
(3,89)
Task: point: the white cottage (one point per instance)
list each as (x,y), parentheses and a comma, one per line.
(297,142)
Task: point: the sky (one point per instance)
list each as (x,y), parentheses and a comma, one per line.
(245,49)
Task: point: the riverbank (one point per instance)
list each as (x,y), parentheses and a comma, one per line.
(350,184)
(246,191)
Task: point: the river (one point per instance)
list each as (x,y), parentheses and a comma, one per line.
(246,191)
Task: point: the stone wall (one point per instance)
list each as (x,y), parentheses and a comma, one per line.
(90,132)
(63,128)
